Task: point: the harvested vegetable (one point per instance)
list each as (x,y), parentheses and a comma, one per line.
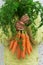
(11,44)
(18,52)
(23,45)
(28,43)
(14,47)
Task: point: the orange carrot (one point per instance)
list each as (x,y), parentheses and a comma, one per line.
(29,47)
(14,47)
(23,44)
(11,44)
(18,52)
(25,47)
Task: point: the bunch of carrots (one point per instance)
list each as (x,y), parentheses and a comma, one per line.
(15,46)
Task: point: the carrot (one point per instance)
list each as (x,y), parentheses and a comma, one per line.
(18,52)
(23,44)
(29,47)
(14,47)
(11,44)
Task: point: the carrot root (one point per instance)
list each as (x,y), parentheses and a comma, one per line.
(14,47)
(23,45)
(18,52)
(29,47)
(11,44)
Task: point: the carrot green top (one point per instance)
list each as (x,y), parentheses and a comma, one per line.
(12,10)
